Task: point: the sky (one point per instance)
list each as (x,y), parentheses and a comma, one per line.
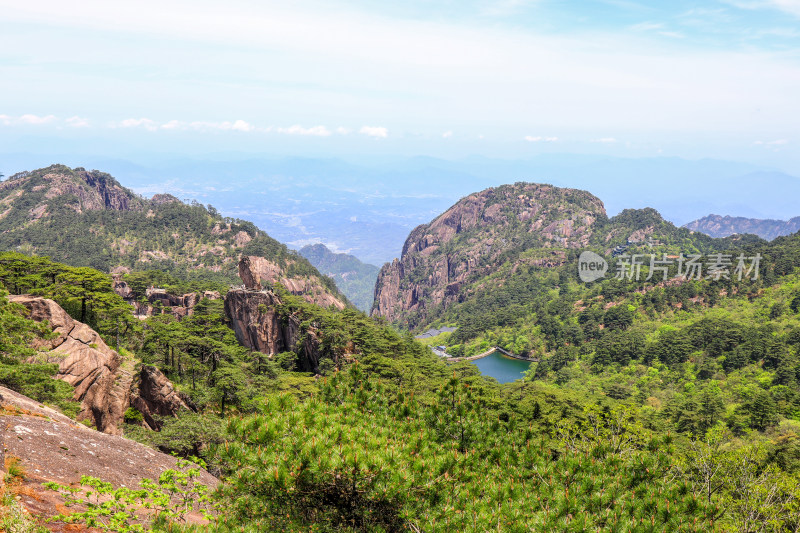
(498,78)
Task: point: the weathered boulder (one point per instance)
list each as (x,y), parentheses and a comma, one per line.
(153,394)
(53,448)
(102,385)
(84,361)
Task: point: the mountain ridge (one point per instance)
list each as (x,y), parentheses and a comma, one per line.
(87,218)
(723,226)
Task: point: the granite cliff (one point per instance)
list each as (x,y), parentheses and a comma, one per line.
(105,384)
(491,237)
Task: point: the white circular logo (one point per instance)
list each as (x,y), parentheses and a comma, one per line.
(591,266)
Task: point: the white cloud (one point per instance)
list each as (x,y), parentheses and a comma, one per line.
(145,123)
(447,134)
(605,140)
(440,69)
(77,122)
(28,119)
(776,142)
(343,131)
(379,132)
(35,119)
(173,125)
(241,125)
(538,138)
(317,131)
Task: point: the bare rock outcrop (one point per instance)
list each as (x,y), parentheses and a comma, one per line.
(104,386)
(153,394)
(84,361)
(259,326)
(258,273)
(52,447)
(159,301)
(473,237)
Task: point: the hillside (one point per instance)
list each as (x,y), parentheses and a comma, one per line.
(354,278)
(723,226)
(505,234)
(643,393)
(85,218)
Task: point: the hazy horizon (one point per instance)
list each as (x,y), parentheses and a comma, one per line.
(396,111)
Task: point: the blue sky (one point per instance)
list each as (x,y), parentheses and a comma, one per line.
(504,78)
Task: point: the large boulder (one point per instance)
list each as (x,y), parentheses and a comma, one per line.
(258,273)
(84,361)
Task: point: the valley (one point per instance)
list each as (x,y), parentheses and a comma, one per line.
(566,404)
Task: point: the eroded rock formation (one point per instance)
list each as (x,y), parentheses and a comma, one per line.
(84,361)
(153,394)
(258,273)
(261,327)
(104,386)
(159,301)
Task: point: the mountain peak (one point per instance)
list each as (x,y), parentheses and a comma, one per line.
(466,241)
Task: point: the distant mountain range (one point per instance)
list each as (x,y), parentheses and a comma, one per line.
(354,278)
(723,226)
(369,206)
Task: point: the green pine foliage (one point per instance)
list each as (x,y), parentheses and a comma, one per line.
(360,458)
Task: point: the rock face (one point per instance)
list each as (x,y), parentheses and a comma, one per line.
(723,226)
(468,240)
(260,326)
(51,447)
(84,361)
(153,394)
(103,386)
(258,273)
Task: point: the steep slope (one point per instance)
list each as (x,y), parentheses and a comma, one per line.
(87,218)
(491,237)
(50,447)
(723,226)
(354,278)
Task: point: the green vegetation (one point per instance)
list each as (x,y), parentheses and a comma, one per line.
(31,379)
(654,407)
(15,519)
(354,278)
(60,213)
(155,505)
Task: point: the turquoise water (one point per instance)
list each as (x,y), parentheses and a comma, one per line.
(503,369)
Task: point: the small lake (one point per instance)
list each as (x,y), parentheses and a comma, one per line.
(503,369)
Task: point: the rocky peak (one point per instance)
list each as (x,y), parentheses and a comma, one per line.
(47,192)
(465,241)
(724,226)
